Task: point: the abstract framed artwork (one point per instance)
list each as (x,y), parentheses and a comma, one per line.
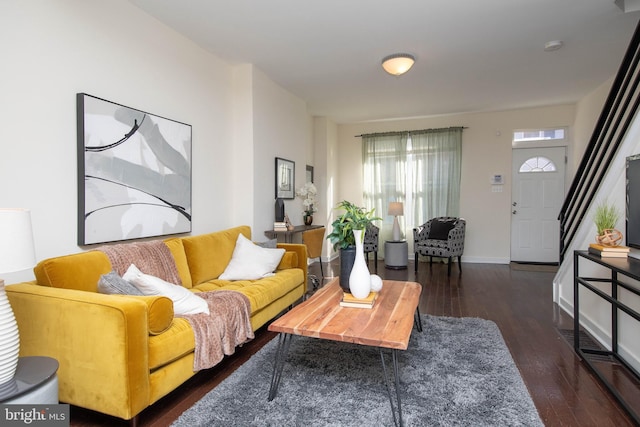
(134,173)
(285,178)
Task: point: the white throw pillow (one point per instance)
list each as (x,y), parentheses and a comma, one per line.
(251,262)
(184,301)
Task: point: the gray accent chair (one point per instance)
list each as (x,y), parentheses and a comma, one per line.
(441,237)
(371,244)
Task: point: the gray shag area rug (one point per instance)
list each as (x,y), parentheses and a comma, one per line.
(457,372)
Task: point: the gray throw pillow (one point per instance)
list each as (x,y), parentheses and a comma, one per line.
(269,244)
(112,283)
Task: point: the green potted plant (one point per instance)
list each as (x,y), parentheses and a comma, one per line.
(343,239)
(605,218)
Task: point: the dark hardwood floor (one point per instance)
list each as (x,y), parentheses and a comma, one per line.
(564,391)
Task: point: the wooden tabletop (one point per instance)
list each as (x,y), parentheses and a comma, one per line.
(388,324)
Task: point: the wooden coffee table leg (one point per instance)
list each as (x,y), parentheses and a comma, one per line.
(394,357)
(284,341)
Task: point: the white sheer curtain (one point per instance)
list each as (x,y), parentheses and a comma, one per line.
(436,157)
(385,171)
(426,162)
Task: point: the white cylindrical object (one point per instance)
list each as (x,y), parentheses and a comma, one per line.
(9,338)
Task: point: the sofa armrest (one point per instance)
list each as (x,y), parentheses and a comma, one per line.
(100,342)
(301,251)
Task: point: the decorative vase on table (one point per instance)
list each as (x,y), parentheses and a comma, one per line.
(9,338)
(347,258)
(360,278)
(308,219)
(609,237)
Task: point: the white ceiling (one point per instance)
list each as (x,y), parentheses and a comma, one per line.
(471,55)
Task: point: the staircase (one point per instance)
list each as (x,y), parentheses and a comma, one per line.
(617,115)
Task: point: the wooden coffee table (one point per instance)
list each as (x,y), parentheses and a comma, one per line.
(387,325)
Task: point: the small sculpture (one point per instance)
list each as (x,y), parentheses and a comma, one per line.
(376,283)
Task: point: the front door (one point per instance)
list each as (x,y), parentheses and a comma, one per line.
(536,198)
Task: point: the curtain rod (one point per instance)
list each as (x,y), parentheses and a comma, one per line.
(410,131)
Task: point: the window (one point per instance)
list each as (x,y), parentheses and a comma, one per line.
(539,135)
(421,169)
(537,164)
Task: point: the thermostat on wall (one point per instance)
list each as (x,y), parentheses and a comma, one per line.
(497,179)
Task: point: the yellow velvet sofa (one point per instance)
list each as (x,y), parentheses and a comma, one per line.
(118,354)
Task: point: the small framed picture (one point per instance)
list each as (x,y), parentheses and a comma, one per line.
(309,173)
(285,178)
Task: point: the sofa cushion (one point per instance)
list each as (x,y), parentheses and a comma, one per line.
(261,292)
(172,344)
(271,244)
(112,283)
(209,254)
(250,261)
(79,271)
(159,313)
(184,302)
(176,247)
(439,230)
(289,260)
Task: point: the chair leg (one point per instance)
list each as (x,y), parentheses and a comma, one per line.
(430,260)
(321,270)
(449,268)
(415,262)
(375,259)
(460,263)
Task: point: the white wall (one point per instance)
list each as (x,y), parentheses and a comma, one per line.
(282,128)
(326,174)
(53,49)
(588,111)
(486,150)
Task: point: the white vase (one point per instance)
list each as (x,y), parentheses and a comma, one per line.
(360,278)
(9,338)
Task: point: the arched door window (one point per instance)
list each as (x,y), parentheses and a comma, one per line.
(538,164)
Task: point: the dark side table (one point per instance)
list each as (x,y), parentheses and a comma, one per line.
(35,382)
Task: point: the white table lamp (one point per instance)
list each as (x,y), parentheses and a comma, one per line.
(396,209)
(16,254)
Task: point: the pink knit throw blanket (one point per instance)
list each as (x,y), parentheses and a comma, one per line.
(219,333)
(153,258)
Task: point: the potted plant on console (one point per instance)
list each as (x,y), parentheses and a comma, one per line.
(605,218)
(347,235)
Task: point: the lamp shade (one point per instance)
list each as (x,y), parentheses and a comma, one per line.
(396,208)
(16,240)
(398,64)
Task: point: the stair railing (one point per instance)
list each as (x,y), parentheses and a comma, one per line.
(617,115)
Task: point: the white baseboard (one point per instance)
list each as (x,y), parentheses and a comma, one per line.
(486,260)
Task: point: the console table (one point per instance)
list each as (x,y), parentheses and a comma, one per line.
(288,234)
(608,365)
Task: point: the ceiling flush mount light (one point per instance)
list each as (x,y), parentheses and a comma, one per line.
(553,45)
(398,63)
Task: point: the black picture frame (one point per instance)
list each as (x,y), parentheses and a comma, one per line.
(309,173)
(285,179)
(134,173)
